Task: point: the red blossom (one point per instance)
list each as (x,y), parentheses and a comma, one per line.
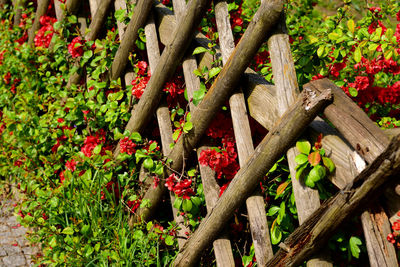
(127,146)
(75,48)
(71,165)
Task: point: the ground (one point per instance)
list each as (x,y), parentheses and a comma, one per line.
(14,247)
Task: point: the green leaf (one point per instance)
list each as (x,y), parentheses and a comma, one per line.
(372,47)
(88,54)
(148,163)
(357,54)
(308,182)
(97,149)
(153,146)
(301,159)
(196,201)
(354,243)
(273,210)
(187,205)
(303,146)
(169,240)
(328,163)
(300,171)
(187,126)
(68,231)
(85,229)
(317,173)
(213,72)
(199,50)
(54,202)
(320,51)
(276,235)
(353,91)
(314,158)
(333,36)
(135,136)
(176,134)
(388,54)
(178,203)
(351,25)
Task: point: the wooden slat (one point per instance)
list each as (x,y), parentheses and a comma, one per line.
(255,204)
(307,199)
(375,224)
(139,18)
(222,245)
(18,7)
(163,118)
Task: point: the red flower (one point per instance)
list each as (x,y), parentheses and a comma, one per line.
(75,48)
(142,66)
(71,165)
(361,83)
(127,146)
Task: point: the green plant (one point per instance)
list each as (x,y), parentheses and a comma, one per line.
(313,165)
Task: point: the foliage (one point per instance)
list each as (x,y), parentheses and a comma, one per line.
(313,166)
(57,141)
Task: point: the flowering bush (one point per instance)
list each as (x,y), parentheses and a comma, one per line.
(58,142)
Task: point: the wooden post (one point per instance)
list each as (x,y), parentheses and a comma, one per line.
(93,7)
(307,199)
(226,81)
(170,58)
(277,141)
(376,226)
(320,226)
(222,245)
(163,117)
(255,204)
(41,11)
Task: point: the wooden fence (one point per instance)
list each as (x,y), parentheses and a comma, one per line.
(354,142)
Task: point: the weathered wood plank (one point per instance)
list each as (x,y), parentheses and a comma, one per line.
(358,129)
(18,7)
(319,227)
(287,88)
(222,244)
(163,117)
(255,204)
(277,141)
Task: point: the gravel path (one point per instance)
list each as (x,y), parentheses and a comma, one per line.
(14,248)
